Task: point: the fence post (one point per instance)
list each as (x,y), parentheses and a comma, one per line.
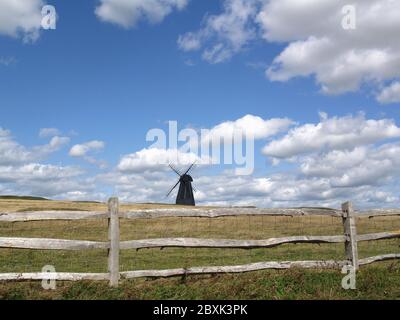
(350,232)
(113,236)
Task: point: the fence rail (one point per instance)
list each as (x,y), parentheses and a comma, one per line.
(114,245)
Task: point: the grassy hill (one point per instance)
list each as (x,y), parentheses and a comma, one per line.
(12,197)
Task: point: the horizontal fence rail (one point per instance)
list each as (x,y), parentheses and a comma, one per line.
(349,238)
(61,244)
(228,212)
(181,213)
(51,215)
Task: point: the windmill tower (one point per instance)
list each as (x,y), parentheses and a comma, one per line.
(185,192)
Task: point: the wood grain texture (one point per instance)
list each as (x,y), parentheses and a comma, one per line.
(50,244)
(114,237)
(50,215)
(234,269)
(378,236)
(226,212)
(350,231)
(378,213)
(226,243)
(61,276)
(384,257)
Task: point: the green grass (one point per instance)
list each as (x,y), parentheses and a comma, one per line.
(374,282)
(378,281)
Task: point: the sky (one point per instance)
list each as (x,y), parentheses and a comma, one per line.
(315,83)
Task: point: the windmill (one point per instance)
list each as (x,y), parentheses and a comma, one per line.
(185,192)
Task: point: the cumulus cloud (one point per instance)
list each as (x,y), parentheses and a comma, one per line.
(362,166)
(37,172)
(21,19)
(332,133)
(21,172)
(247,127)
(127,13)
(11,152)
(225,34)
(288,189)
(341,60)
(250,126)
(156,160)
(343,156)
(138,187)
(81,150)
(317,45)
(49,132)
(390,94)
(84,150)
(47,180)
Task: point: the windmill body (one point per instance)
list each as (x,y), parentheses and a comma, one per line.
(185,193)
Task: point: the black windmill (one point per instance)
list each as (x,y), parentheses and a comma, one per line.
(185,192)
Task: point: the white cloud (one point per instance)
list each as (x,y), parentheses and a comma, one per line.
(49,132)
(250,126)
(390,94)
(343,158)
(362,166)
(22,174)
(316,43)
(127,13)
(155,160)
(332,134)
(53,181)
(81,150)
(225,34)
(11,152)
(21,19)
(276,190)
(341,60)
(37,172)
(189,41)
(139,186)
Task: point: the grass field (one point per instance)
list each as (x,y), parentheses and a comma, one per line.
(378,281)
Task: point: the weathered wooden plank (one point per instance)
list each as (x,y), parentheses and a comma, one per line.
(378,236)
(50,244)
(330,264)
(226,243)
(61,276)
(226,212)
(50,215)
(378,213)
(384,257)
(350,231)
(114,237)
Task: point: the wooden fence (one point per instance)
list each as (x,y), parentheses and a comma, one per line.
(349,238)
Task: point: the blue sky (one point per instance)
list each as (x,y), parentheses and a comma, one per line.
(95,78)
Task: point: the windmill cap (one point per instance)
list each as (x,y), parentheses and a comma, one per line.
(186,178)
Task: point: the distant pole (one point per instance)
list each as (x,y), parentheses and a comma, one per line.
(350,232)
(113,236)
